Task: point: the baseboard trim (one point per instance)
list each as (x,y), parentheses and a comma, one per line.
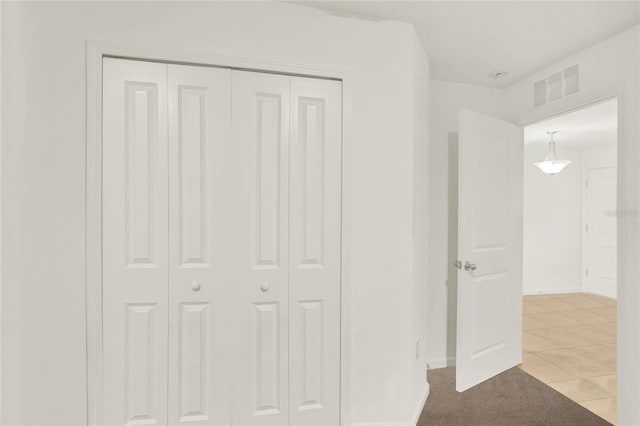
(413,422)
(441,363)
(552,291)
(423,401)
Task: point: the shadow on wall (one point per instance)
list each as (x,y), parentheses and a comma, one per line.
(452,275)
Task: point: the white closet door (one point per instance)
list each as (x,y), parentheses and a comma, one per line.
(257,246)
(135,242)
(314,288)
(201,197)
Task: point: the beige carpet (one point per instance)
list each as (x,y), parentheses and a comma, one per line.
(512,398)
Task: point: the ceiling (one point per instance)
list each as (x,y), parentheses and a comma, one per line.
(466,40)
(585,128)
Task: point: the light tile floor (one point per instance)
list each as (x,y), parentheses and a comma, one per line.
(570,344)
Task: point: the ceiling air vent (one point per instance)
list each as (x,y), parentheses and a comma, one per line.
(571,80)
(540,92)
(556,86)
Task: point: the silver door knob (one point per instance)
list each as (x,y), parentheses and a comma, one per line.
(264,286)
(468,266)
(457,264)
(195,286)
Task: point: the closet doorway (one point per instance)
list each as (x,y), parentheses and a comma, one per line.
(221,246)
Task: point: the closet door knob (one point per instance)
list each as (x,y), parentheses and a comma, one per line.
(264,286)
(468,266)
(195,285)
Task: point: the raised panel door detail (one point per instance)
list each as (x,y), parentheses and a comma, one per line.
(139,364)
(201,191)
(193,179)
(311,140)
(193,361)
(314,238)
(134,263)
(311,353)
(489,322)
(488,188)
(267,222)
(267,358)
(141,124)
(489,325)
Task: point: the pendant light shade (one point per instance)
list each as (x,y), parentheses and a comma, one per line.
(551,165)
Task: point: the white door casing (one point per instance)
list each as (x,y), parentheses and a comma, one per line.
(231,331)
(135,242)
(601,231)
(489,324)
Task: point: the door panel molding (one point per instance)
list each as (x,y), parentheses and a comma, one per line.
(95,53)
(489,332)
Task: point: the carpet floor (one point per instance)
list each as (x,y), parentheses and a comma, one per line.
(512,398)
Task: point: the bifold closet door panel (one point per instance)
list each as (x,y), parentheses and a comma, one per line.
(135,242)
(315,229)
(257,245)
(202,203)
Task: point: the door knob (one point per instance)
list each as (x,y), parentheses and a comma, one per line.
(457,264)
(264,286)
(468,266)
(195,286)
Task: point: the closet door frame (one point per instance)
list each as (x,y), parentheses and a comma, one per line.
(95,52)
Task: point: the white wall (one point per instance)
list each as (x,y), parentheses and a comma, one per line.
(594,158)
(552,223)
(421,224)
(607,68)
(611,67)
(599,156)
(44,365)
(446,99)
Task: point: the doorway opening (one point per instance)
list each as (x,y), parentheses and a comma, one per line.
(570,257)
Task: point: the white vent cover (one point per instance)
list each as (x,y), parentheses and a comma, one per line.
(540,92)
(556,86)
(571,80)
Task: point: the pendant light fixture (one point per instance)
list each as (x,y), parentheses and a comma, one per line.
(551,165)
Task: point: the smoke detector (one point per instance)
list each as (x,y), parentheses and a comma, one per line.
(498,74)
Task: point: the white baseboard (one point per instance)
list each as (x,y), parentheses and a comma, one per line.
(413,422)
(441,363)
(552,291)
(420,407)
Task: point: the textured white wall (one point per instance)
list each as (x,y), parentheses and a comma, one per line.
(44,364)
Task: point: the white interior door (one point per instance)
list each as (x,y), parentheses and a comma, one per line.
(314,244)
(201,207)
(489,325)
(135,242)
(601,232)
(221,246)
(258,279)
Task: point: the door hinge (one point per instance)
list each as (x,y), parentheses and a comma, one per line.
(587,273)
